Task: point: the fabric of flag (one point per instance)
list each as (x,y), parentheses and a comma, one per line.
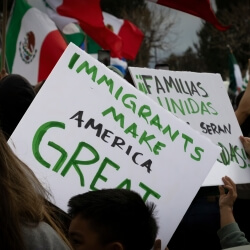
(72,32)
(68,26)
(91,47)
(89,16)
(199,8)
(235,76)
(131,35)
(127,33)
(33,43)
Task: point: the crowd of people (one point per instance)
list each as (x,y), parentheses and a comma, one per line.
(107,219)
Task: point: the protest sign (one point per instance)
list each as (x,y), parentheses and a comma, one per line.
(201,100)
(89,129)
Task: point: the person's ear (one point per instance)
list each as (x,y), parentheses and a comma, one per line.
(115,246)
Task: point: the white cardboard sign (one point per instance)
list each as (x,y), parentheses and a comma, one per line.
(201,100)
(89,129)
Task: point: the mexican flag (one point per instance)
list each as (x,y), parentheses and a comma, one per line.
(91,20)
(33,43)
(88,14)
(72,32)
(69,27)
(131,35)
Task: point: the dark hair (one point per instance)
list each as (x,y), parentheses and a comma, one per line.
(16,95)
(117,215)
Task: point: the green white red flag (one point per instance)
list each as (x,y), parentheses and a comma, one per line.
(72,32)
(69,27)
(131,35)
(33,43)
(89,16)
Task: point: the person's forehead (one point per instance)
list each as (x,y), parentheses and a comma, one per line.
(78,222)
(85,236)
(80,226)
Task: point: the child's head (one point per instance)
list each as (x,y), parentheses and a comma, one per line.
(112,219)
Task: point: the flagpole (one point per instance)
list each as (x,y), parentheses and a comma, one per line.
(3,34)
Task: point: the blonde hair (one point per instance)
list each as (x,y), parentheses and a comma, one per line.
(23,200)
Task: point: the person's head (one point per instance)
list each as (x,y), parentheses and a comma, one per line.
(24,201)
(16,95)
(111,219)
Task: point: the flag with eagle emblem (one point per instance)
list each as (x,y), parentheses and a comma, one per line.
(33,43)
